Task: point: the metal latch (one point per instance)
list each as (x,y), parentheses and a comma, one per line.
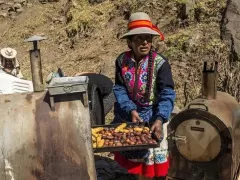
(180,138)
(176,137)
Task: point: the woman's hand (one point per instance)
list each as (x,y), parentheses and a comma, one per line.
(136,117)
(157,128)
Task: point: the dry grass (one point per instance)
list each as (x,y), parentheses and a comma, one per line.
(91,42)
(85,18)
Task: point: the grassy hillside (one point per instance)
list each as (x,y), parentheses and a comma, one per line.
(84,37)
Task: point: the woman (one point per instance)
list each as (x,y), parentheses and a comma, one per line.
(9,63)
(144,91)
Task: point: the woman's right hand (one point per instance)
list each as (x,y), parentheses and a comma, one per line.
(136,117)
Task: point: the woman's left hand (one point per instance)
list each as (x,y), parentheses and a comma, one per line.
(157,128)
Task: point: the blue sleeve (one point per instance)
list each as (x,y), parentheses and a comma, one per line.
(165,95)
(165,104)
(120,91)
(123,100)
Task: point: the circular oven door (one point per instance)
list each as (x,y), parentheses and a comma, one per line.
(202,140)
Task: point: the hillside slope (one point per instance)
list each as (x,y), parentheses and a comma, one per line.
(83,36)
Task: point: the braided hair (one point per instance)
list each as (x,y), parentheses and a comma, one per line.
(149,76)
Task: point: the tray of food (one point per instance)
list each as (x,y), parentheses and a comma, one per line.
(123,137)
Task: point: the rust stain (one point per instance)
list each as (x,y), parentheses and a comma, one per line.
(29,98)
(57,148)
(7,101)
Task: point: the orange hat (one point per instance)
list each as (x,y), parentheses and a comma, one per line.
(140,23)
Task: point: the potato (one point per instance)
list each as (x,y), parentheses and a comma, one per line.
(123,130)
(104,136)
(110,137)
(120,127)
(110,143)
(128,140)
(99,139)
(94,139)
(124,136)
(118,134)
(131,143)
(137,137)
(106,143)
(118,144)
(94,134)
(143,139)
(138,143)
(100,143)
(137,129)
(96,130)
(145,131)
(137,133)
(131,130)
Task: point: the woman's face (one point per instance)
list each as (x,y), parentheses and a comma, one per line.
(9,63)
(140,44)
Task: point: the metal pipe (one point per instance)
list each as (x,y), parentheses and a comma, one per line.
(36,68)
(36,65)
(209,81)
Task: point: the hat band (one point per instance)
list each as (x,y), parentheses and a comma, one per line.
(144,23)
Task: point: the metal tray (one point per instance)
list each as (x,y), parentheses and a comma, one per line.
(125,148)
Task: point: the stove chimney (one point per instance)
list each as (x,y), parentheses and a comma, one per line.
(36,65)
(209,81)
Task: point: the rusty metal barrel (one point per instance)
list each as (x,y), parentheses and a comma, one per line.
(39,142)
(205,135)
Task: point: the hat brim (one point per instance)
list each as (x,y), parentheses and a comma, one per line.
(142,30)
(6,56)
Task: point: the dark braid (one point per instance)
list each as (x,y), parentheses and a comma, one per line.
(149,76)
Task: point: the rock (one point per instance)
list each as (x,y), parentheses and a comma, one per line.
(29,4)
(1,2)
(22,2)
(62,19)
(52,28)
(4,15)
(9,3)
(12,13)
(17,6)
(19,10)
(95,1)
(4,7)
(11,9)
(231,27)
